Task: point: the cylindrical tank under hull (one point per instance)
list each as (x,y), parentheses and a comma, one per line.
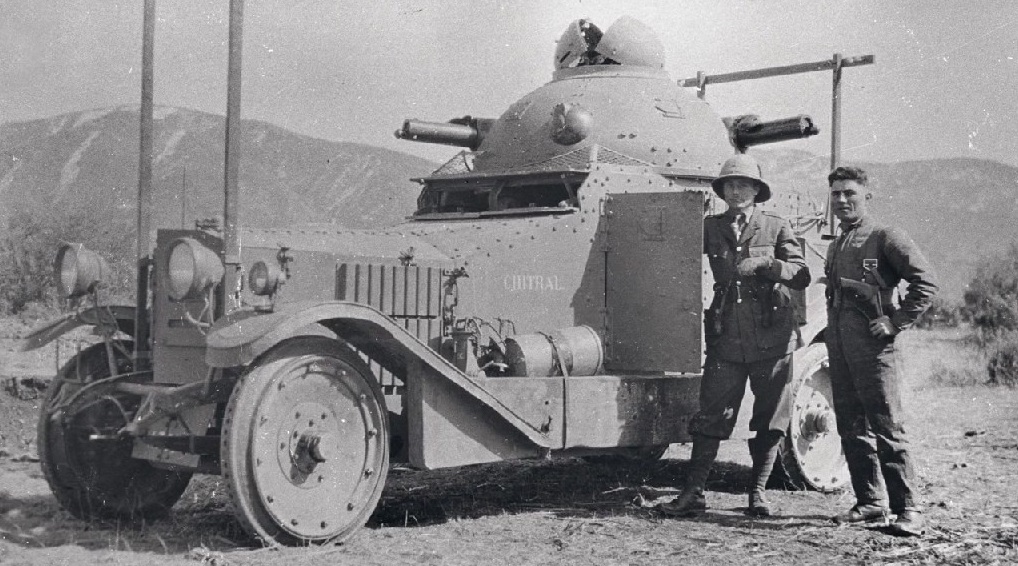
(576,350)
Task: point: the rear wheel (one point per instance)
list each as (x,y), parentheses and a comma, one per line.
(811,455)
(305,444)
(87,464)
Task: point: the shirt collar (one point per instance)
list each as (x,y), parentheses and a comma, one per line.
(848,227)
(748,213)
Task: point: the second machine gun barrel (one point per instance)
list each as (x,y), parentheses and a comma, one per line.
(461,132)
(748,130)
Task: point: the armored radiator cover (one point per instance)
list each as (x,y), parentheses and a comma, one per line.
(411,295)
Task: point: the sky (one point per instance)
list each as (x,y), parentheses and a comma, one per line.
(945,82)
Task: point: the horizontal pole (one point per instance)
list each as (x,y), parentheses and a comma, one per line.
(777,71)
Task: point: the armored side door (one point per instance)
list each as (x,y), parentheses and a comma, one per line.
(653,282)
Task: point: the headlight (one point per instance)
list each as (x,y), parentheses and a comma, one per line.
(192,269)
(79,270)
(264,278)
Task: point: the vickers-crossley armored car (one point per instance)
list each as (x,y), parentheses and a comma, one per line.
(544,299)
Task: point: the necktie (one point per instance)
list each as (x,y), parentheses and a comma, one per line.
(738,225)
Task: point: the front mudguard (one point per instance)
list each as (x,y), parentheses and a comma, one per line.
(113,317)
(242,338)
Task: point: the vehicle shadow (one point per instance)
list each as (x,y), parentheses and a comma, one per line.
(202,522)
(566,487)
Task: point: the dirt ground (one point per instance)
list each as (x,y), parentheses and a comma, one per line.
(570,511)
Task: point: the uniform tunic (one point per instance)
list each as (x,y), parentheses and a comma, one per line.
(750,327)
(864,377)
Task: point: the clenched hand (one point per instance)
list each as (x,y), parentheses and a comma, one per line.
(883,327)
(752,265)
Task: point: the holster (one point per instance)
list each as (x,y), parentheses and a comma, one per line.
(767,296)
(874,306)
(713,317)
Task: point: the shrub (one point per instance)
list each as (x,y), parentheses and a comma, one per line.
(991,301)
(1003,365)
(941,314)
(29,245)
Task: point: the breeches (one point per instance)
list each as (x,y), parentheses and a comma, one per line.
(724,385)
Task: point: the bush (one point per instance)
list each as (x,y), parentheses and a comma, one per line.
(29,245)
(1003,365)
(941,314)
(991,301)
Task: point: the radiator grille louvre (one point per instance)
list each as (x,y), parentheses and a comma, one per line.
(411,295)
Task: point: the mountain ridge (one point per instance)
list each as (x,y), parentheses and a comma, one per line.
(957,209)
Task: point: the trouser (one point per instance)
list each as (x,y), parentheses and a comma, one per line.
(724,385)
(867,405)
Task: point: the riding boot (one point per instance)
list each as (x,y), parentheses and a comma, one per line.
(692,501)
(764,451)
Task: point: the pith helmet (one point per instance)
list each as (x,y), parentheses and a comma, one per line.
(744,167)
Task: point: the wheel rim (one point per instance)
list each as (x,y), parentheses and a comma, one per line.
(316,457)
(814,438)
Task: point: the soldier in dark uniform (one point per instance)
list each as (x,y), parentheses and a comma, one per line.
(749,331)
(864,265)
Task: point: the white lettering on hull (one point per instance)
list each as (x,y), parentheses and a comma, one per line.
(513,283)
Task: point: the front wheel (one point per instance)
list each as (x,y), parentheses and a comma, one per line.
(305,443)
(85,460)
(811,454)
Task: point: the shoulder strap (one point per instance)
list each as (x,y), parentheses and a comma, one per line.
(872,250)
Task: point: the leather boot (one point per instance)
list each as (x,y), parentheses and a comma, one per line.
(909,523)
(691,501)
(764,451)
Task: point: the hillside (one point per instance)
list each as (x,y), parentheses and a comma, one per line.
(958,210)
(80,170)
(90,158)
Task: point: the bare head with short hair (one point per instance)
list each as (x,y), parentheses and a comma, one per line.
(849,193)
(857,174)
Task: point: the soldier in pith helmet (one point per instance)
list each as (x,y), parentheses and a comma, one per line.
(864,265)
(749,331)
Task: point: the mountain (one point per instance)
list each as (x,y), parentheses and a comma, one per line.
(958,210)
(90,159)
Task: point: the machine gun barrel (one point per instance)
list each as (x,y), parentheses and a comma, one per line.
(746,131)
(460,132)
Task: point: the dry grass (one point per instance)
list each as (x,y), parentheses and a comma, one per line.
(944,357)
(572,512)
